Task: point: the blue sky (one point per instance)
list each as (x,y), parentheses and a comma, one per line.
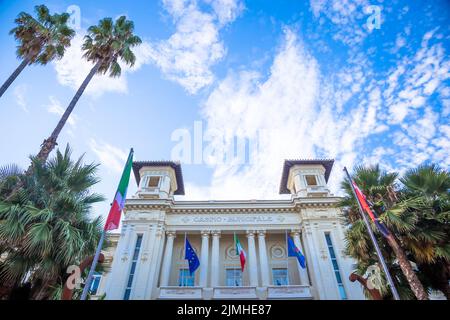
(297,79)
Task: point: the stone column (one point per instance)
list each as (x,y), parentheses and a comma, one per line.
(265,278)
(204,259)
(167,262)
(304,279)
(215,255)
(252,263)
(155,257)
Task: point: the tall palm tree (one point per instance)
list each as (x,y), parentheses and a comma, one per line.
(48,225)
(431,185)
(41,39)
(104,45)
(379,188)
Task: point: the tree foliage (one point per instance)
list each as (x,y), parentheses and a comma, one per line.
(47,227)
(415,208)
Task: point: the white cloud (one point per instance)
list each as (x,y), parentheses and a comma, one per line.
(411,86)
(189,54)
(56,108)
(186,57)
(292,112)
(297,112)
(348,17)
(110,156)
(20,92)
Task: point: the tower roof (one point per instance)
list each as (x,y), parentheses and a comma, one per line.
(138,165)
(326,163)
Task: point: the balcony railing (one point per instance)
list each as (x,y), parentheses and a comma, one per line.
(230,293)
(180,292)
(317,191)
(289,292)
(235,293)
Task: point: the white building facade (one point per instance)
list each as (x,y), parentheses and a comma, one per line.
(148,261)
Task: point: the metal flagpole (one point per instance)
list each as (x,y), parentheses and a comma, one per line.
(100,243)
(94,264)
(374,241)
(235,248)
(287,259)
(182,274)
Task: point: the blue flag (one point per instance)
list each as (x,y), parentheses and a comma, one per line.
(191,257)
(293,251)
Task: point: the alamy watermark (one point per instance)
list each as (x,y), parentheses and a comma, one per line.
(214,147)
(74,280)
(374,19)
(75,17)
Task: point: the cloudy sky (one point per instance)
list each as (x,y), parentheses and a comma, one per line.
(231,88)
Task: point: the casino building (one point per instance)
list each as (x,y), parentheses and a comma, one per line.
(146,260)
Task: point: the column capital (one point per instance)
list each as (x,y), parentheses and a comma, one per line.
(261,233)
(250,233)
(205,233)
(215,233)
(171,233)
(160,230)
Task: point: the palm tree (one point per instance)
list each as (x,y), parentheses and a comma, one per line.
(41,39)
(48,225)
(104,45)
(431,185)
(379,188)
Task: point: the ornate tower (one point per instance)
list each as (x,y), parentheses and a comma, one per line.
(306,178)
(158,179)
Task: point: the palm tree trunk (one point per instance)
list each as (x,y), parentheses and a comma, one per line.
(49,144)
(405,265)
(13,76)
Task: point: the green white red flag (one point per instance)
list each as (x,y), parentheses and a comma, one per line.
(119,200)
(240,252)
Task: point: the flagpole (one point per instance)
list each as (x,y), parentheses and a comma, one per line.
(374,241)
(99,246)
(287,258)
(237,253)
(182,274)
(93,266)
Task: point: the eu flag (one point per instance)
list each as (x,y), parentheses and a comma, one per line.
(293,251)
(191,257)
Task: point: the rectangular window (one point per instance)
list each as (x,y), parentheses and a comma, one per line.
(153,182)
(137,248)
(335,265)
(311,180)
(234,277)
(186,279)
(280,277)
(95,282)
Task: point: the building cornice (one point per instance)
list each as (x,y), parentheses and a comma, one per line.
(230,206)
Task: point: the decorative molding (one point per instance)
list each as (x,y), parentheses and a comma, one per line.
(296,232)
(230,253)
(250,233)
(171,233)
(205,233)
(277,252)
(215,233)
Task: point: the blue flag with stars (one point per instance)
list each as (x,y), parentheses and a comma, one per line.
(191,257)
(293,251)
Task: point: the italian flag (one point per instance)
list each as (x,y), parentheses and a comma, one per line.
(240,252)
(119,200)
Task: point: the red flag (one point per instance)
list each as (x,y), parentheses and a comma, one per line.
(362,200)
